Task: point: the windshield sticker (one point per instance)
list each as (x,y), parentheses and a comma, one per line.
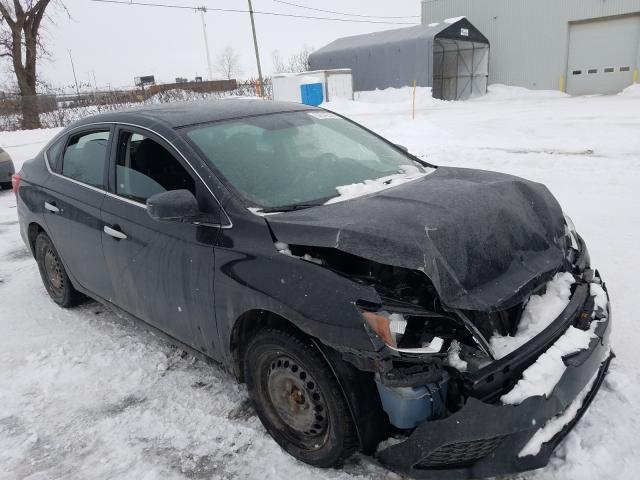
(323,115)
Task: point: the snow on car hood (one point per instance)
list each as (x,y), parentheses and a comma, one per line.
(483,238)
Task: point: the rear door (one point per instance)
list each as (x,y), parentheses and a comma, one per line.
(162,272)
(72,200)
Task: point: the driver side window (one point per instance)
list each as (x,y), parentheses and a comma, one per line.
(144,167)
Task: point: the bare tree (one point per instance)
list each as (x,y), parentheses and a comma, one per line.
(278,64)
(20,24)
(297,62)
(228,63)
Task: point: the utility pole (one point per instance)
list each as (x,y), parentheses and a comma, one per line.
(95,84)
(75,79)
(255,46)
(203,10)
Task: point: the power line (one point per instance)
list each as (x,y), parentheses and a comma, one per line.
(234,10)
(343,13)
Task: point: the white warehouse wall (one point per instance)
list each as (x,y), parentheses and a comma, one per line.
(529,38)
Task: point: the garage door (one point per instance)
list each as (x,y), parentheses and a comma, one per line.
(603,55)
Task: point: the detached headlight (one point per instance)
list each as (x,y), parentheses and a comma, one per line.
(391,327)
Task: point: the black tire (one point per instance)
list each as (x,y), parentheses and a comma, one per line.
(6,185)
(53,274)
(298,399)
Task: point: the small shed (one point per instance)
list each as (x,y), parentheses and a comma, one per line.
(452,57)
(336,83)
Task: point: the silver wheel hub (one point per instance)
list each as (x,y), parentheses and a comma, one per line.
(296,397)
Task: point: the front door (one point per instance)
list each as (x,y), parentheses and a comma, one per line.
(162,272)
(72,199)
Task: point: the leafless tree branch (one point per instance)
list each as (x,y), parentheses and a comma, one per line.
(21,42)
(228,63)
(297,62)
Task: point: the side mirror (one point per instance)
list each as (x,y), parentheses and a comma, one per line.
(402,147)
(173,206)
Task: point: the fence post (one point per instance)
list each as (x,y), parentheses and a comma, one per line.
(413,114)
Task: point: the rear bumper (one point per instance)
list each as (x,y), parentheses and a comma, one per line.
(485,439)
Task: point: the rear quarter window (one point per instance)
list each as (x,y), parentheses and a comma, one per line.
(85,157)
(54,154)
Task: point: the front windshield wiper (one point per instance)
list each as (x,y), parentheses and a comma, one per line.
(294,206)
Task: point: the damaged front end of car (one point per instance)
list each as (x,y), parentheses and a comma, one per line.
(491,334)
(457,408)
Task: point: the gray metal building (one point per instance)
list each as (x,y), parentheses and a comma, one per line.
(578,46)
(452,57)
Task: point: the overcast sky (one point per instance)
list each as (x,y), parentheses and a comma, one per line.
(120,42)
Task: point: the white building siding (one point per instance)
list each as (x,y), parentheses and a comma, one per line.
(529,38)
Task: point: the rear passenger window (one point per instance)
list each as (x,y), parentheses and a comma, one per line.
(85,156)
(144,168)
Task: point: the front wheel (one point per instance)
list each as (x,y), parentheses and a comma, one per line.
(53,274)
(298,399)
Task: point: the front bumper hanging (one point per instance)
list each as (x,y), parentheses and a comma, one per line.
(485,439)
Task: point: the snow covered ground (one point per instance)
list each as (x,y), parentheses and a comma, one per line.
(85,394)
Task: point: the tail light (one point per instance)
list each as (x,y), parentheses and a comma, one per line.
(15,182)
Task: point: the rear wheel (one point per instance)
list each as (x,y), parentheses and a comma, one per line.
(298,399)
(53,274)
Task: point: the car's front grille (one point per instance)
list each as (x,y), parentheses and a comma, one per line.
(459,454)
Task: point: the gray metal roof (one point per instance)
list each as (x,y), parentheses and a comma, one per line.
(386,37)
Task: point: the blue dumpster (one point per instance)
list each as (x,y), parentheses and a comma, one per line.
(311,94)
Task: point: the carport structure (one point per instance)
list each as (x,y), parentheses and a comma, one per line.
(452,57)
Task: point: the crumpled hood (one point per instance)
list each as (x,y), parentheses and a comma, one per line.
(483,238)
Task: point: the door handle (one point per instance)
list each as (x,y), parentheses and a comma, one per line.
(115,232)
(51,207)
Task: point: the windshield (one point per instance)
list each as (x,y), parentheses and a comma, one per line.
(301,158)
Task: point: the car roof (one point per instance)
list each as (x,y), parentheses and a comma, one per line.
(180,114)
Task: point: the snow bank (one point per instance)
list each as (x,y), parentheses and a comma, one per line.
(402,95)
(631,91)
(498,91)
(347,192)
(385,102)
(539,313)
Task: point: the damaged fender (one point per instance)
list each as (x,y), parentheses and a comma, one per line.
(318,301)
